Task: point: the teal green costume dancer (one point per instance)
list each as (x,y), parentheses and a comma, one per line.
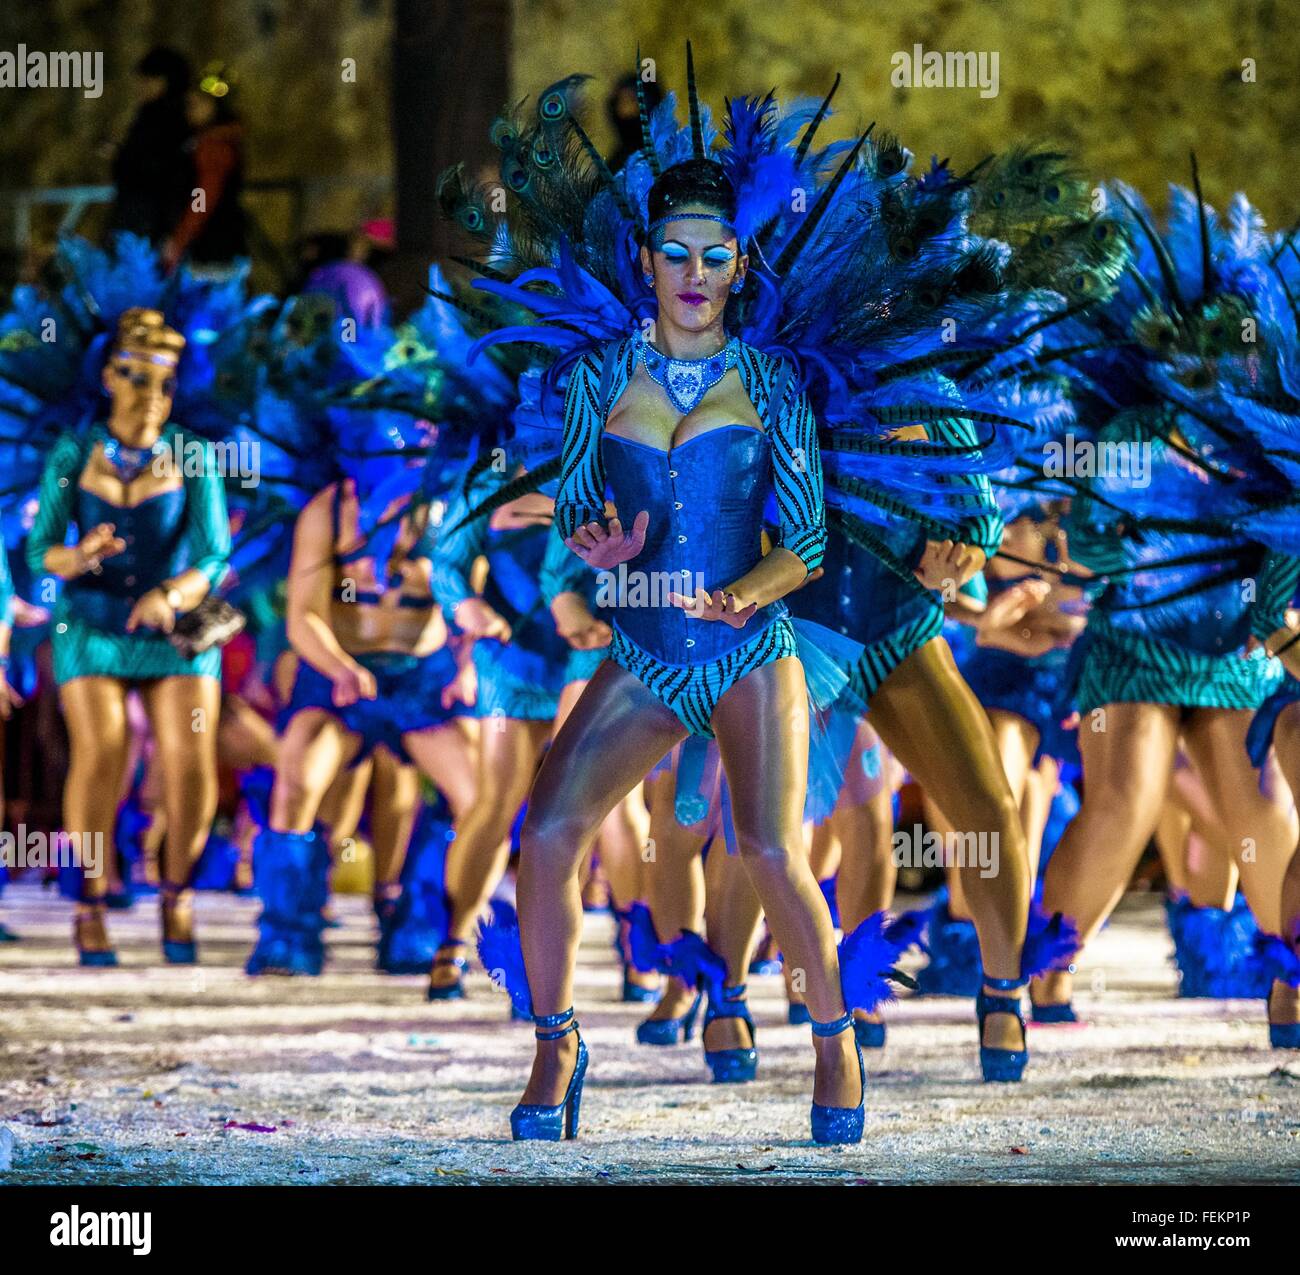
(174,531)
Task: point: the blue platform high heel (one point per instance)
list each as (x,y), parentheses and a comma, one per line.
(89,921)
(1054,1013)
(670,1031)
(1002,1065)
(831,1125)
(178,914)
(731,1066)
(869,1035)
(532,1122)
(452,991)
(634,993)
(1281,1035)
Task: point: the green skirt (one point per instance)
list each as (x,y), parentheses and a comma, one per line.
(80,650)
(1120,667)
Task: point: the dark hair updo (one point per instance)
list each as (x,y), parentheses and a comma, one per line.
(700,182)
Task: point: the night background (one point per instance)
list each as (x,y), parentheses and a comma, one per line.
(1129,86)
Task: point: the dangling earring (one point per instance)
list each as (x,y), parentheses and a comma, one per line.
(649,280)
(739,285)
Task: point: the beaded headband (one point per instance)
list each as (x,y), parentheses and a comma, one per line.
(660,222)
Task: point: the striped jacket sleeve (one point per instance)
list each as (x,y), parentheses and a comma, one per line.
(797,473)
(581,497)
(979,521)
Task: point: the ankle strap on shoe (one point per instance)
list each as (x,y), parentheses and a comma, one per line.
(553,1026)
(730,995)
(1004,985)
(834,1027)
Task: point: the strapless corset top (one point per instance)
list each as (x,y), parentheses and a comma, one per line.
(705,498)
(154,532)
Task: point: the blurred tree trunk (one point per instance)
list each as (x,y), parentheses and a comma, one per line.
(451,68)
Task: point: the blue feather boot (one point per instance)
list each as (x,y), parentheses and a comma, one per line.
(835,1125)
(532,1122)
(731,1066)
(291,875)
(954,950)
(1215,951)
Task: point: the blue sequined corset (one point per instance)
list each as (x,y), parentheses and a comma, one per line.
(705,499)
(156,550)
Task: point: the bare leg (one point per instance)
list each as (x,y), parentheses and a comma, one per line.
(936,727)
(864,819)
(1253,808)
(244,737)
(476,859)
(184,713)
(675,878)
(1128,756)
(616,732)
(732,913)
(762,729)
(1284,1003)
(394,803)
(313,749)
(445,755)
(95,709)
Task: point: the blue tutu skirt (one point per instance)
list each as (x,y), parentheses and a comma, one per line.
(409,699)
(1029,688)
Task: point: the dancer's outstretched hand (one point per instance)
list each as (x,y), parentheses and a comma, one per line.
(9,699)
(354,684)
(96,545)
(479,620)
(602,548)
(714,606)
(575,623)
(947,561)
(152,611)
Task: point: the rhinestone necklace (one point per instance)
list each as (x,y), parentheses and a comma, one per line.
(687,381)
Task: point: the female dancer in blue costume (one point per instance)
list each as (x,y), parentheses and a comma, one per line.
(520,661)
(834,312)
(1161,656)
(376,670)
(749,432)
(151,545)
